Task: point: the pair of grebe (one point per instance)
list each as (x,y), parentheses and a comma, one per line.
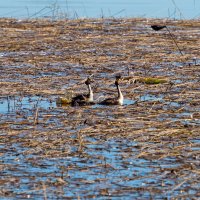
(88,99)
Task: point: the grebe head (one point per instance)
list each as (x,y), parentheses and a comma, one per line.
(118,77)
(88,81)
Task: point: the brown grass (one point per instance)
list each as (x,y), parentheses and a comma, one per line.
(49,59)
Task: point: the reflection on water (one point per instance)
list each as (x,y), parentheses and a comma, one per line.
(12,104)
(148,97)
(105,8)
(126,102)
(50,155)
(84,176)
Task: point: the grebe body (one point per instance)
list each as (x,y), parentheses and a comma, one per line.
(115,101)
(84,99)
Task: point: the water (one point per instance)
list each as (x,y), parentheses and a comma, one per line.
(180,9)
(13,104)
(44,159)
(106,168)
(148,97)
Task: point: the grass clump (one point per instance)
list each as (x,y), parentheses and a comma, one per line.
(151,80)
(66,99)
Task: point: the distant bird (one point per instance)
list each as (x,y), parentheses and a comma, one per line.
(117,100)
(157,27)
(84,99)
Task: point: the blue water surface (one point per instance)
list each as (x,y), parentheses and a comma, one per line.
(178,9)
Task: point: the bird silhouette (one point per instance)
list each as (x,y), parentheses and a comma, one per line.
(157,27)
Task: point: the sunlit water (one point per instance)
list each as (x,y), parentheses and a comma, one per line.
(13,104)
(179,9)
(107,168)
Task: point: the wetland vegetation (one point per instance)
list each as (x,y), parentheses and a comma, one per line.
(146,149)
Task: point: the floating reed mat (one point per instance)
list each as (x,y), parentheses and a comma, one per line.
(147,148)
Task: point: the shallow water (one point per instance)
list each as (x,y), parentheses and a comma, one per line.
(12,104)
(118,168)
(94,8)
(104,168)
(149,97)
(125,103)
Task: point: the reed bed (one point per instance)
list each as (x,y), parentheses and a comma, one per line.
(147,148)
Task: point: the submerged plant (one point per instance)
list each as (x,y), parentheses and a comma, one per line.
(151,80)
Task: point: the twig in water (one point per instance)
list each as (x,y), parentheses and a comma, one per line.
(36,116)
(44,190)
(80,140)
(8,100)
(174,41)
(151,107)
(158,27)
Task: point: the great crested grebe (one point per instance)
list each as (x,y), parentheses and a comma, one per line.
(84,99)
(117,100)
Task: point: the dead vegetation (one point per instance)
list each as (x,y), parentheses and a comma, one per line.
(148,148)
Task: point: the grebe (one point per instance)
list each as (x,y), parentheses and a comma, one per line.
(117,100)
(84,99)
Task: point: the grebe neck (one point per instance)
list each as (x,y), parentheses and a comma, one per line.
(90,93)
(120,95)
